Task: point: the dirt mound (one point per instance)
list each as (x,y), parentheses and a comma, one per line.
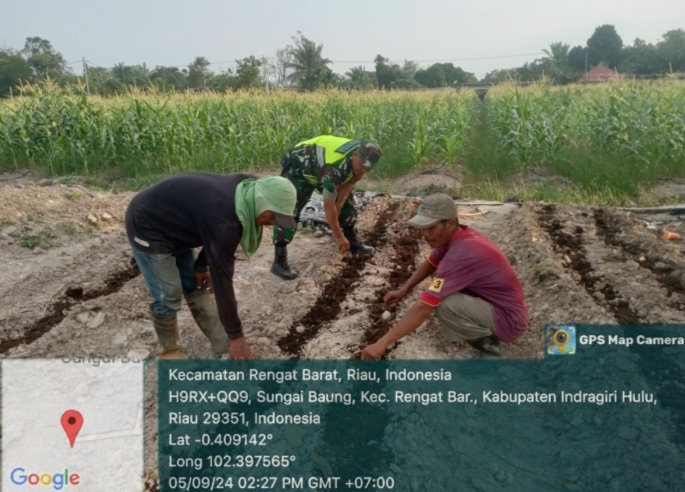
(435,180)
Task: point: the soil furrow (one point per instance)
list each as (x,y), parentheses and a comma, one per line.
(406,250)
(327,306)
(609,229)
(571,245)
(59,309)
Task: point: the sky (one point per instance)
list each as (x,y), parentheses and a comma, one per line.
(479,36)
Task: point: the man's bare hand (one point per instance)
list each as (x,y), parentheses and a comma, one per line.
(238,349)
(393,297)
(202,277)
(343,244)
(374,351)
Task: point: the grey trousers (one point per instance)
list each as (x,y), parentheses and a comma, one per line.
(464,317)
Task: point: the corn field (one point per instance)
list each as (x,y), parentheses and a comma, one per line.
(592,134)
(147,133)
(640,121)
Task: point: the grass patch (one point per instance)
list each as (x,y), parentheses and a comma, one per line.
(30,241)
(592,176)
(484,158)
(606,173)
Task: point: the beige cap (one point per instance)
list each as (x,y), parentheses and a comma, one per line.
(434,208)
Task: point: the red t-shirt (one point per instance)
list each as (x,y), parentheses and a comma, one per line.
(474,266)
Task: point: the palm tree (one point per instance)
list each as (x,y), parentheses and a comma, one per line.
(310,67)
(359,78)
(558,52)
(556,64)
(122,72)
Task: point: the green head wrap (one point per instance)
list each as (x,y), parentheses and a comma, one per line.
(254,196)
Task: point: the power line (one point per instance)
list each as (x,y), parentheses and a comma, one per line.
(85,74)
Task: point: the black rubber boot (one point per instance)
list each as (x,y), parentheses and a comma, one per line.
(355,246)
(280,266)
(488,347)
(166,328)
(202,305)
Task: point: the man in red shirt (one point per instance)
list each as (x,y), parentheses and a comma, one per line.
(475,291)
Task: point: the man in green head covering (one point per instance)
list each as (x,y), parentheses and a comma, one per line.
(332,166)
(218,213)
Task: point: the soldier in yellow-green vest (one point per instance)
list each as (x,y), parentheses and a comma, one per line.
(331,165)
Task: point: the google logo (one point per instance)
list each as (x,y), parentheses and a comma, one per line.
(18,476)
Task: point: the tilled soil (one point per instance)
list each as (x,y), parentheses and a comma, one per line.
(77,294)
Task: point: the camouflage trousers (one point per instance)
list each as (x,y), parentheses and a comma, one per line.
(347,216)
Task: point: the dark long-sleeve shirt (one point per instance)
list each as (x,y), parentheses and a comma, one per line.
(188,211)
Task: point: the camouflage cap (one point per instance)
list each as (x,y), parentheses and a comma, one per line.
(371,151)
(434,208)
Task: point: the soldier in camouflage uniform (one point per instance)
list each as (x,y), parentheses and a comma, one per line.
(331,165)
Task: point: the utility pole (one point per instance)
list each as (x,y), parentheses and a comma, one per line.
(85,74)
(264,68)
(587,48)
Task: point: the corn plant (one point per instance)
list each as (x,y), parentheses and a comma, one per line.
(150,132)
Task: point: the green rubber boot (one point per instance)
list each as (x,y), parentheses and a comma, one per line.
(166,328)
(202,305)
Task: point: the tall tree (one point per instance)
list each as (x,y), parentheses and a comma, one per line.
(455,75)
(604,46)
(577,58)
(133,75)
(248,73)
(433,76)
(198,73)
(500,75)
(223,81)
(282,63)
(672,50)
(310,68)
(409,69)
(641,59)
(43,60)
(269,71)
(386,73)
(14,70)
(530,72)
(98,80)
(169,78)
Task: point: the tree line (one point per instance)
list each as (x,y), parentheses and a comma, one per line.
(301,65)
(565,64)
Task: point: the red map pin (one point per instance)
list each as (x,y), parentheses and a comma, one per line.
(72,421)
